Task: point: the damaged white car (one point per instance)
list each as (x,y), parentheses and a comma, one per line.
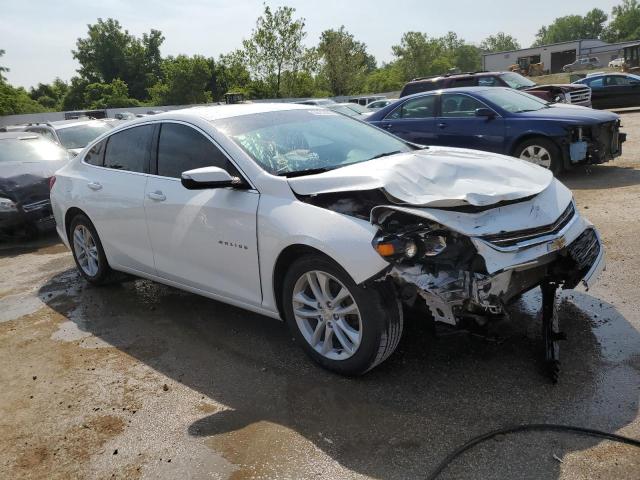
(300,213)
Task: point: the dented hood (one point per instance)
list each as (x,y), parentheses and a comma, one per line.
(435,177)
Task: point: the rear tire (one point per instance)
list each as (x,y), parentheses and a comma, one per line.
(88,253)
(542,152)
(343,327)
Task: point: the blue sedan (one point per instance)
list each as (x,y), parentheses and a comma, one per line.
(503,120)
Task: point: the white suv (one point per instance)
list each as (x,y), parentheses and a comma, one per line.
(300,213)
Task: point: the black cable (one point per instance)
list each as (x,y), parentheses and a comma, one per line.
(529,427)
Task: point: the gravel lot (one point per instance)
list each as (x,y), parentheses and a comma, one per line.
(139,380)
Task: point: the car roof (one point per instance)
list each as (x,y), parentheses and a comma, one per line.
(17,135)
(454,90)
(60,124)
(454,76)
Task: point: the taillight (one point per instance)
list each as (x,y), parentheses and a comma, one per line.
(52,182)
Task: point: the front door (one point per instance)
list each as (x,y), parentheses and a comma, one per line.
(458,126)
(414,120)
(205,239)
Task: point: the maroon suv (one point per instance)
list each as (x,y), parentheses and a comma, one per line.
(569,93)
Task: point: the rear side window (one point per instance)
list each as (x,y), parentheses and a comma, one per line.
(488,82)
(181,148)
(417,87)
(423,107)
(95,156)
(463,82)
(129,149)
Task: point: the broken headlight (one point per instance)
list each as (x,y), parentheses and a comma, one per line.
(399,247)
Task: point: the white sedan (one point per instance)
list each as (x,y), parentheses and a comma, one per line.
(337,227)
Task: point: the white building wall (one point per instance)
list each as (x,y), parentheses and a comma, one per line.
(502,61)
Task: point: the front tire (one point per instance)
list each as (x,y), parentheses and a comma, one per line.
(343,327)
(542,152)
(88,253)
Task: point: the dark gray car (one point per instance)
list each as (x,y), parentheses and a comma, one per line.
(27,163)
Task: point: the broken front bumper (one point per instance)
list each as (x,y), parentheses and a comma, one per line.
(569,252)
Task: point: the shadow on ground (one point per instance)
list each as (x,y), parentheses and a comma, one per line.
(398,421)
(41,244)
(600,177)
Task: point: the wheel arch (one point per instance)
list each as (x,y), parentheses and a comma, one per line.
(68,218)
(286,257)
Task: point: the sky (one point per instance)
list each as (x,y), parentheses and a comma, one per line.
(38,35)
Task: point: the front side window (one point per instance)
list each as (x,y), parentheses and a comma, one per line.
(423,107)
(129,149)
(457,105)
(464,82)
(181,148)
(512,101)
(293,142)
(595,82)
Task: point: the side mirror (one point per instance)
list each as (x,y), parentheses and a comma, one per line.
(485,112)
(209,177)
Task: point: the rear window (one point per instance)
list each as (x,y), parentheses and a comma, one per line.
(418,87)
(30,149)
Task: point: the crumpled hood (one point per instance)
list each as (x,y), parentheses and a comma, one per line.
(435,177)
(27,181)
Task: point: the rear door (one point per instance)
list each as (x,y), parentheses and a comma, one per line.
(114,186)
(458,126)
(621,91)
(205,239)
(413,120)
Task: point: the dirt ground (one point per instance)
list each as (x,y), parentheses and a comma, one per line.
(139,380)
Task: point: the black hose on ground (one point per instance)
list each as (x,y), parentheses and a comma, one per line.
(539,427)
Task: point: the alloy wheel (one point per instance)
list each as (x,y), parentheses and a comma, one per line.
(327,315)
(538,155)
(86,250)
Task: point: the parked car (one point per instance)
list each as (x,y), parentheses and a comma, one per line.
(71,134)
(503,120)
(350,109)
(366,100)
(616,63)
(299,213)
(378,104)
(316,101)
(557,93)
(582,64)
(613,90)
(27,162)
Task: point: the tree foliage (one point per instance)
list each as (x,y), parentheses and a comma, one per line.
(108,95)
(572,27)
(2,69)
(500,42)
(276,48)
(625,22)
(344,61)
(185,81)
(110,52)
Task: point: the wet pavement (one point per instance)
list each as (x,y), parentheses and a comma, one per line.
(139,380)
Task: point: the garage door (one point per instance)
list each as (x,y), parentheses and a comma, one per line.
(560,59)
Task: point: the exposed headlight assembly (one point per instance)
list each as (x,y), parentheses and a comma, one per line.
(401,247)
(7,205)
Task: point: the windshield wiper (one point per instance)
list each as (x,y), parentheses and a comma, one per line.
(300,173)
(386,154)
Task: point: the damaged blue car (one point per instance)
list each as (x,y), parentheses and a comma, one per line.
(502,120)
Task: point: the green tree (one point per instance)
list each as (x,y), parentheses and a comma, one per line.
(625,22)
(109,52)
(230,74)
(185,81)
(388,78)
(50,95)
(74,98)
(572,27)
(500,42)
(344,61)
(108,95)
(2,69)
(276,47)
(14,101)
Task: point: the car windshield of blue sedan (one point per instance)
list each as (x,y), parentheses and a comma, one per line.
(514,102)
(300,142)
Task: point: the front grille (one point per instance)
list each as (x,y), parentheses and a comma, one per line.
(580,96)
(585,249)
(510,239)
(30,207)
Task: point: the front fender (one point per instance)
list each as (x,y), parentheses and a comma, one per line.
(347,240)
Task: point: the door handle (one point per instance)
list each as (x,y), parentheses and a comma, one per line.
(158,196)
(442,125)
(94,185)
